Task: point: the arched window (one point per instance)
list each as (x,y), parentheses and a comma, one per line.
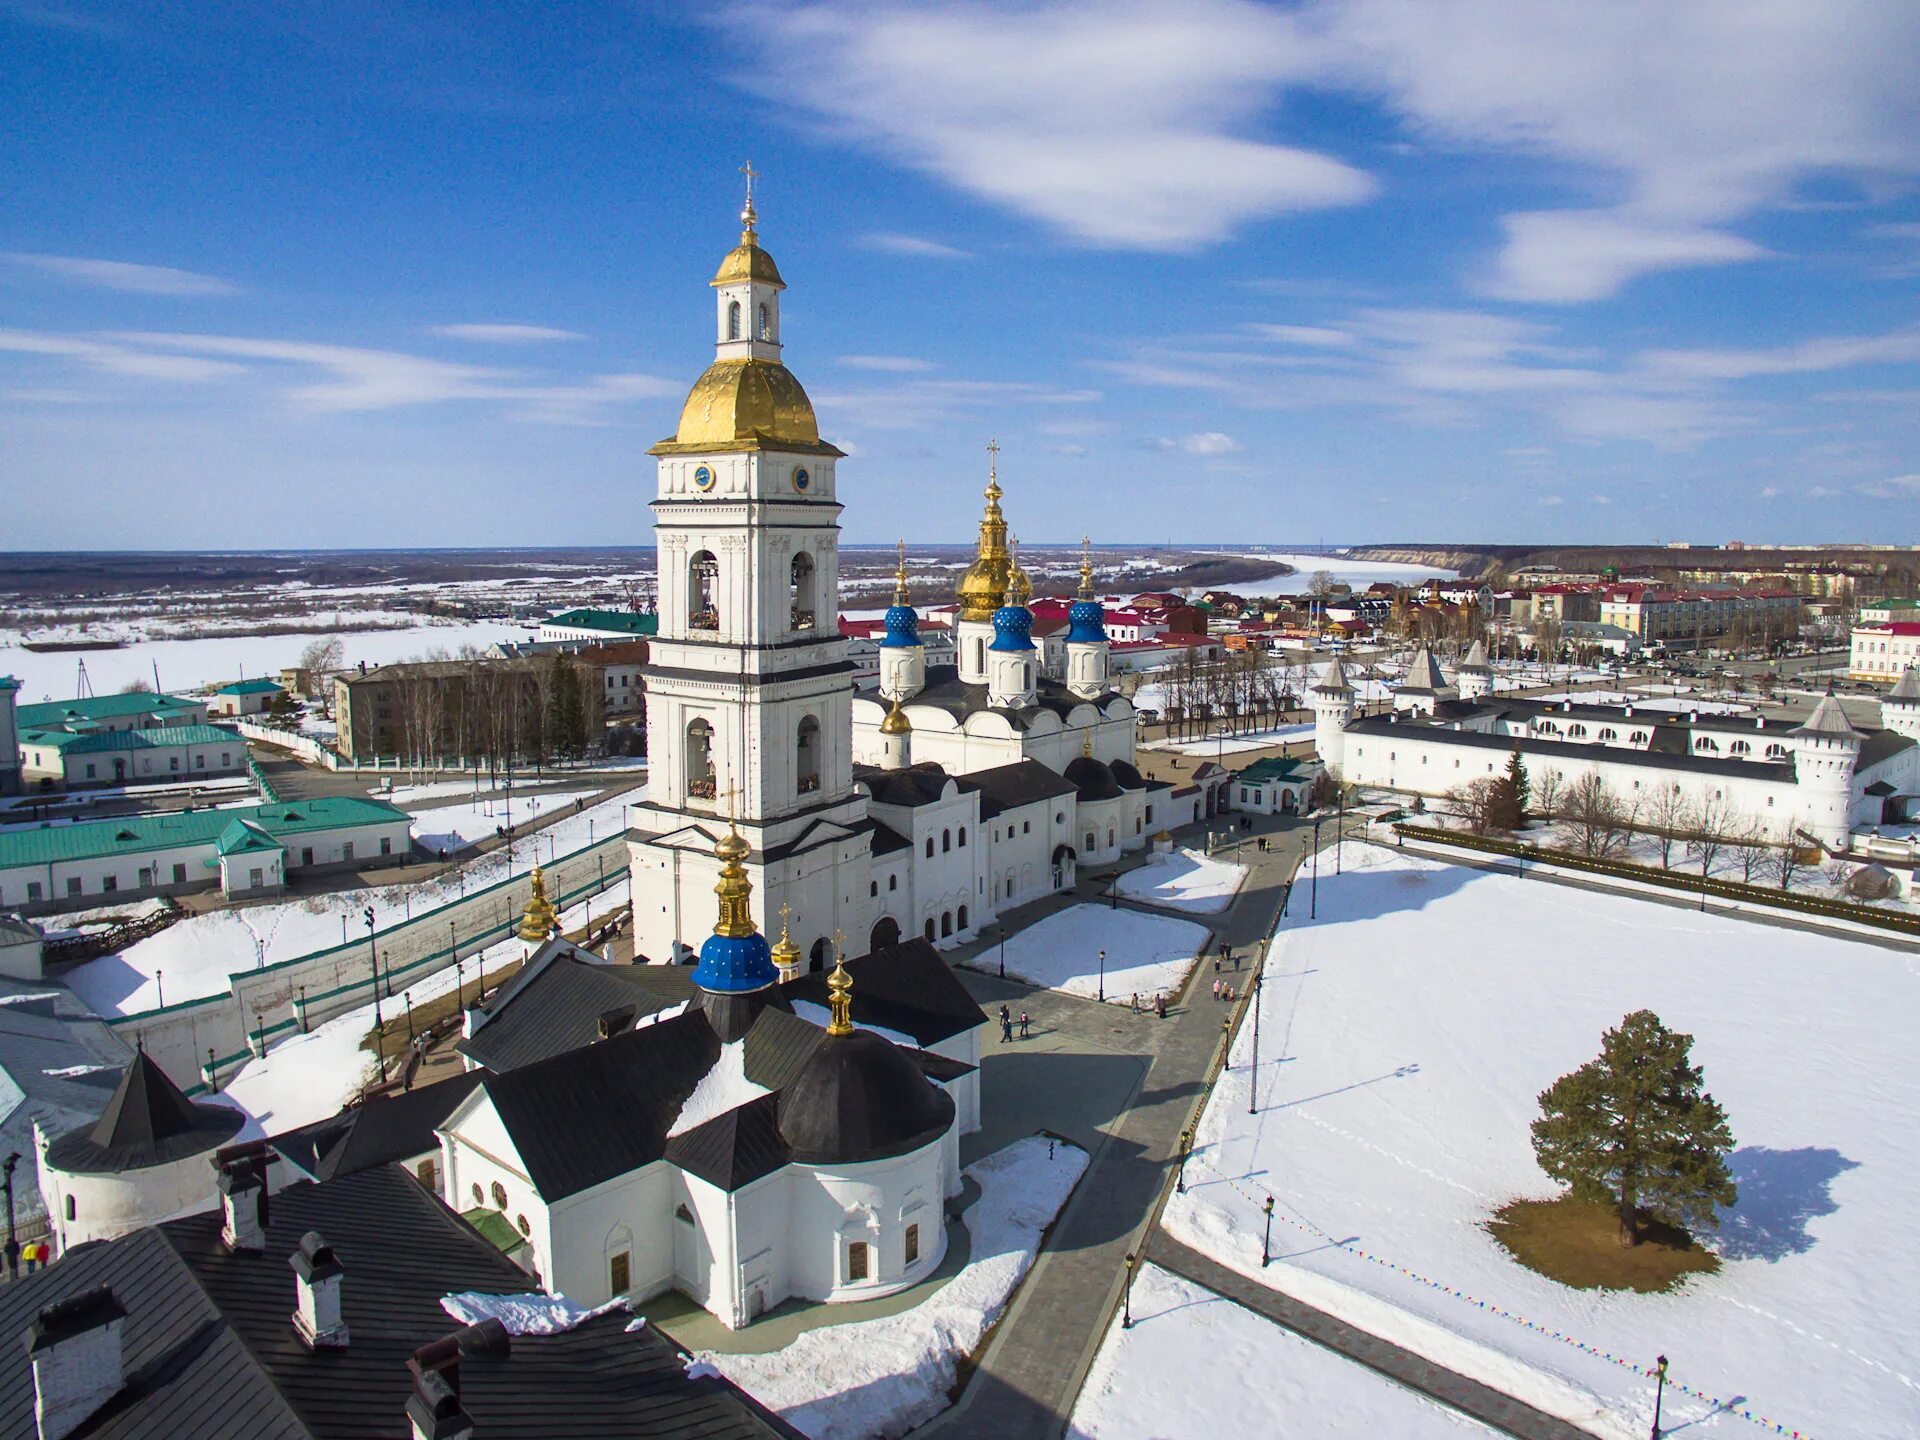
(885,932)
(946,841)
(1090,844)
(1608,733)
(893,882)
(963,837)
(1009,884)
(733,320)
(930,934)
(800,592)
(946,923)
(701,783)
(1740,747)
(929,847)
(703,592)
(1776,751)
(1577,732)
(766,323)
(807,755)
(963,917)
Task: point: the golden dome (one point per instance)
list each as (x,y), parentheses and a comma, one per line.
(983,587)
(747,261)
(746,405)
(1019,582)
(895,722)
(786,954)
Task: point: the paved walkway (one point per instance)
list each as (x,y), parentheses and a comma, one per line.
(1129,1111)
(1469,1397)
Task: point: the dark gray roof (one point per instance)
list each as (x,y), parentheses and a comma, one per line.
(860,1097)
(886,839)
(906,988)
(1386,728)
(921,784)
(1423,675)
(736,1148)
(946,691)
(377,1131)
(1879,745)
(1092,779)
(146,1122)
(1333,680)
(1024,782)
(1827,719)
(557,1003)
(210,1349)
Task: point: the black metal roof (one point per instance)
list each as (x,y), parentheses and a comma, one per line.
(1024,782)
(379,1130)
(1880,745)
(1092,778)
(907,988)
(557,1003)
(210,1348)
(860,1097)
(1384,727)
(886,839)
(147,1122)
(945,690)
(736,1148)
(921,784)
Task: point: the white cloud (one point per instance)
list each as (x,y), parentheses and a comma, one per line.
(483,334)
(914,402)
(1551,500)
(1211,442)
(1133,126)
(888,364)
(1894,487)
(112,359)
(894,244)
(1834,352)
(1563,256)
(122,275)
(1313,336)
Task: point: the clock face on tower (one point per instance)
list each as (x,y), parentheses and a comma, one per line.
(703,477)
(801,480)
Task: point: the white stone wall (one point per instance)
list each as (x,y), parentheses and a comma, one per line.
(832,1206)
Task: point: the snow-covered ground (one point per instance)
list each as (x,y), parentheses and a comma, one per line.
(1184,880)
(1357,573)
(883,1377)
(190,664)
(194,958)
(448,827)
(305,1078)
(1236,744)
(1197,1367)
(1405,1036)
(1145,953)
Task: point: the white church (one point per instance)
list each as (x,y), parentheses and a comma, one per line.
(961,791)
(1822,778)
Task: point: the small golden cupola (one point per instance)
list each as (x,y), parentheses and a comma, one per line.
(747,399)
(1019,582)
(983,587)
(540,919)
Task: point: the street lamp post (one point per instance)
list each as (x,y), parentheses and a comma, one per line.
(1342,824)
(407,995)
(1126,1293)
(1186,1145)
(1659,1392)
(1103,977)
(1003,950)
(373,960)
(13,1245)
(1313,892)
(1266,1240)
(1253,1071)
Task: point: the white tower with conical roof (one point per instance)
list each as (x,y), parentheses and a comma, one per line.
(1333,702)
(1826,748)
(1474,678)
(1899,711)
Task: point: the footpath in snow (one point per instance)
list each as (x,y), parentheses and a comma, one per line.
(881,1378)
(1405,1036)
(1184,880)
(1145,953)
(1198,1367)
(195,957)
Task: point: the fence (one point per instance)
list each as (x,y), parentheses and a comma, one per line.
(199,1041)
(1670,879)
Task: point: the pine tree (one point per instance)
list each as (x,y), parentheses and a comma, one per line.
(1521,786)
(1634,1129)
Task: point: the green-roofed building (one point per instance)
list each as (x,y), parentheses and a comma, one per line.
(135,710)
(246,850)
(1282,785)
(69,759)
(244,697)
(600,625)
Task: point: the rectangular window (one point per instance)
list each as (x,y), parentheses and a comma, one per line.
(33,891)
(173,762)
(146,876)
(179,874)
(111,883)
(255,879)
(386,845)
(913,1243)
(346,850)
(199,762)
(73,885)
(857,1260)
(620,1273)
(89,771)
(225,759)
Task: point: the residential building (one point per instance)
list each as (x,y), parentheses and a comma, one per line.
(481,708)
(65,760)
(599,627)
(132,710)
(1884,650)
(244,697)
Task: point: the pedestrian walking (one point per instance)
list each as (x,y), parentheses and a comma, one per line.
(1133,1003)
(1006,1025)
(1160,1005)
(1216,964)
(1216,984)
(1024,1022)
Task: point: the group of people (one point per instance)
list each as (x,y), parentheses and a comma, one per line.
(1159,1003)
(1007,1022)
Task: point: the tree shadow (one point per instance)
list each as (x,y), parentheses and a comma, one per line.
(1780,1192)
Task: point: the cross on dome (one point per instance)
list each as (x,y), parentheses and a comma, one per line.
(748,217)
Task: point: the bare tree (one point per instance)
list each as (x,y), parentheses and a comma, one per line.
(1480,802)
(1549,789)
(1670,819)
(1751,852)
(1595,816)
(1708,832)
(1786,859)
(322,659)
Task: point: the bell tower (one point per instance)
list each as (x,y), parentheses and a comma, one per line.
(749,687)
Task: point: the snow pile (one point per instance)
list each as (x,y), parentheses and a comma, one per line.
(1145,953)
(72,1072)
(1151,1382)
(1184,880)
(820,1015)
(1235,744)
(449,827)
(1406,1036)
(530,1314)
(884,1377)
(725,1087)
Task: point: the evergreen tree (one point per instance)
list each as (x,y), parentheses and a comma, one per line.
(1634,1129)
(283,711)
(1520,787)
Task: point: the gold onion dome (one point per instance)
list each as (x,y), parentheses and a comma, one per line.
(747,261)
(895,722)
(539,920)
(983,587)
(786,954)
(840,997)
(734,888)
(1019,582)
(746,405)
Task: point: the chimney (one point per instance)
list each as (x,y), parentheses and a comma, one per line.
(243,1197)
(317,1315)
(434,1409)
(74,1347)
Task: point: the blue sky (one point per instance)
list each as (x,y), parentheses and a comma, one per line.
(418,274)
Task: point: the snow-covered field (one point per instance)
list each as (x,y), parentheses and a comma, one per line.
(305,1078)
(448,827)
(1357,573)
(1197,1367)
(1145,953)
(1184,880)
(189,664)
(1406,1035)
(883,1377)
(1237,744)
(194,958)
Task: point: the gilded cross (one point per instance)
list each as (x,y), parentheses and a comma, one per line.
(752,175)
(839,945)
(785,909)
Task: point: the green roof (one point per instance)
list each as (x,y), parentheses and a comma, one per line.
(94,742)
(1271,769)
(241,836)
(249,687)
(626,622)
(494,1228)
(8,682)
(134,834)
(101,707)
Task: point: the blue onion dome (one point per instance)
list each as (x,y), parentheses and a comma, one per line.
(736,958)
(1086,623)
(903,626)
(1012,629)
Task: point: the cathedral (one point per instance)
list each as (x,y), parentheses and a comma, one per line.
(957,792)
